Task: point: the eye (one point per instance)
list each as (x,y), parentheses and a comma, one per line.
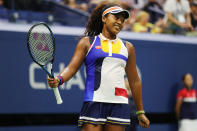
(122,19)
(119,16)
(116,17)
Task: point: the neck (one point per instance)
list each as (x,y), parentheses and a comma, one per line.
(108,34)
(189,88)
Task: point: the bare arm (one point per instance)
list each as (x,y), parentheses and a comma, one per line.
(75,63)
(133,78)
(183,25)
(135,84)
(77,59)
(188,21)
(172,19)
(178,108)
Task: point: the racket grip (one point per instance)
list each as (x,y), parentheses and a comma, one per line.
(57,95)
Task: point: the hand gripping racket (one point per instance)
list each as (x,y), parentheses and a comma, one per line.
(41,47)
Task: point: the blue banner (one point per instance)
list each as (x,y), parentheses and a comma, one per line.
(24,87)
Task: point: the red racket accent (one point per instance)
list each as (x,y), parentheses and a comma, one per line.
(43,37)
(35,36)
(39,46)
(46,48)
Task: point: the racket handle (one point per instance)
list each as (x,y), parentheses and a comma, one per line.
(57,96)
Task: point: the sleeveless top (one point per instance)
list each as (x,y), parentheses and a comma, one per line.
(105,68)
(189,105)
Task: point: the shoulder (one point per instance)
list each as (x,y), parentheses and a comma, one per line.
(185,2)
(84,40)
(194,90)
(168,2)
(129,47)
(186,6)
(168,5)
(84,43)
(182,91)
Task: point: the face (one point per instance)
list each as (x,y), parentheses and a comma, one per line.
(190,1)
(145,19)
(188,81)
(194,9)
(114,22)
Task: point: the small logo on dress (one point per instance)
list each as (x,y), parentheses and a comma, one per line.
(98,47)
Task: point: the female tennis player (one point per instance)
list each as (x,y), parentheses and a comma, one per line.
(106,58)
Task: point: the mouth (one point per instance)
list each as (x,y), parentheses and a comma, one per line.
(117,27)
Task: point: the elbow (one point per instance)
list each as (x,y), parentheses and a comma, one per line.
(137,83)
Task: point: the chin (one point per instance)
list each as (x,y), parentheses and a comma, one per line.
(115,32)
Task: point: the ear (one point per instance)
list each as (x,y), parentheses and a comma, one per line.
(104,19)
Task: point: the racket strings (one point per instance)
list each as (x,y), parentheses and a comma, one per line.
(41,45)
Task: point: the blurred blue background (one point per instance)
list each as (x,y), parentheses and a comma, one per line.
(28,104)
(24,89)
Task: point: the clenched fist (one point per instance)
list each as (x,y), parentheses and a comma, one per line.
(143,121)
(53,82)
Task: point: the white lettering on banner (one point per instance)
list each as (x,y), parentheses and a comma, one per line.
(33,83)
(76,80)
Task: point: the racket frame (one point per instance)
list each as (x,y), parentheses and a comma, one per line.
(51,75)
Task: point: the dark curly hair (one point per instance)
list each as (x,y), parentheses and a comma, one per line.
(95,24)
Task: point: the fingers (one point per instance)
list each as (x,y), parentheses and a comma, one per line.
(52,82)
(144,124)
(143,121)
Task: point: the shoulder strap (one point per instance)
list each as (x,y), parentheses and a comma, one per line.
(91,39)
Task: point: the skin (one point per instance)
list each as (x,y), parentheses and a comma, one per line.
(144,20)
(186,25)
(112,26)
(194,11)
(1,2)
(188,82)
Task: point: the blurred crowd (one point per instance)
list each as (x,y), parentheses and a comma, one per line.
(154,16)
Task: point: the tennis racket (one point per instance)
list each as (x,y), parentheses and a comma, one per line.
(41,47)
